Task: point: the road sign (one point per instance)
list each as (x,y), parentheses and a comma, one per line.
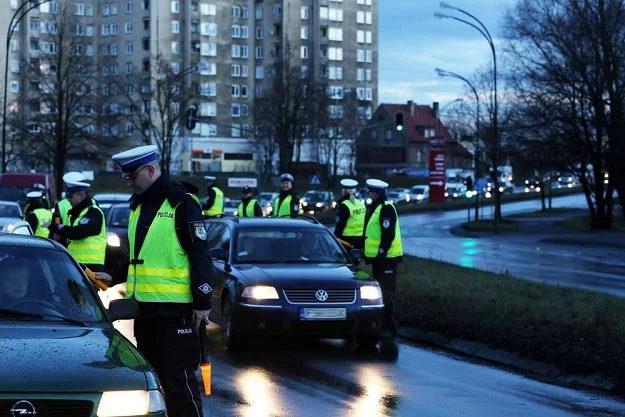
(437,170)
(242,182)
(315,180)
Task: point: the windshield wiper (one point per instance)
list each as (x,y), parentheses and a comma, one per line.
(18,313)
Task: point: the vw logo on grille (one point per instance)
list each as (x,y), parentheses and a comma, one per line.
(23,408)
(321,295)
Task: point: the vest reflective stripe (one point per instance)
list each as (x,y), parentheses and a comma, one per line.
(64,207)
(44,217)
(91,249)
(249,210)
(284,209)
(373,235)
(165,274)
(218,206)
(356,222)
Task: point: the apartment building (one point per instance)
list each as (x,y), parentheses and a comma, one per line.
(222,51)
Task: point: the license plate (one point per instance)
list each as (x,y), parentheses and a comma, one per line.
(322,314)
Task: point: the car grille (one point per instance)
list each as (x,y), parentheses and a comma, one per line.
(308,296)
(50,408)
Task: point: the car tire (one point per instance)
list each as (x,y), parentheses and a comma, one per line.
(232,338)
(367,343)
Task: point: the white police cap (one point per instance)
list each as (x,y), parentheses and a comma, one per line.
(73,186)
(133,158)
(210,177)
(375,184)
(349,183)
(34,194)
(286,177)
(74,176)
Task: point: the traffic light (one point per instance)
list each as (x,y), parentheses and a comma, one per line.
(399,121)
(191,117)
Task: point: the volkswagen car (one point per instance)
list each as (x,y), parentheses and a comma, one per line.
(59,352)
(283,276)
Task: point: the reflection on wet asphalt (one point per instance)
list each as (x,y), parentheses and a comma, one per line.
(329,379)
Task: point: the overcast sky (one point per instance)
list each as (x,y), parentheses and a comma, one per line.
(413,43)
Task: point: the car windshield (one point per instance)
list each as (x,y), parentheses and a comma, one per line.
(288,245)
(418,190)
(45,284)
(10,210)
(118,216)
(314,197)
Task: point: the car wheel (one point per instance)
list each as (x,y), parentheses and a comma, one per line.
(367,343)
(232,339)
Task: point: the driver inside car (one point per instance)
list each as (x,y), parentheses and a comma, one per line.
(15,280)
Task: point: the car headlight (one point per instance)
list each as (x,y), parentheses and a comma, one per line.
(370,292)
(304,203)
(113,240)
(130,403)
(318,205)
(261,292)
(419,197)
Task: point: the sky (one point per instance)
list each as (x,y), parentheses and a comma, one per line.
(413,43)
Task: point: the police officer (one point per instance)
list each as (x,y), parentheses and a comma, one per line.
(249,207)
(383,249)
(39,218)
(85,229)
(62,207)
(168,275)
(287,203)
(214,205)
(44,202)
(350,215)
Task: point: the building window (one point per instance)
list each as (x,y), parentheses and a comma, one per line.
(235,110)
(175,6)
(175,26)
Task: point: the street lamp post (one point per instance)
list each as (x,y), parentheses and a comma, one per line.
(477,24)
(16,18)
(443,73)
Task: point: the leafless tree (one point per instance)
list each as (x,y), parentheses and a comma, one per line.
(155,102)
(289,111)
(570,82)
(61,121)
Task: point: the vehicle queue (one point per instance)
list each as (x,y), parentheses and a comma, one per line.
(169,279)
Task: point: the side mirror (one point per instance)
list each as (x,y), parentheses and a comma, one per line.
(218,253)
(123,309)
(357,256)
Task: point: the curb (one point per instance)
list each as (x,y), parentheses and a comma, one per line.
(512,360)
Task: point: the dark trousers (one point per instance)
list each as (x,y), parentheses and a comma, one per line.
(172,347)
(385,272)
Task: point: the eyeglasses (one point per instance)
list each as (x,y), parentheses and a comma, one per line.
(133,176)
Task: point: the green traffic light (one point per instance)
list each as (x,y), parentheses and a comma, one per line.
(399,128)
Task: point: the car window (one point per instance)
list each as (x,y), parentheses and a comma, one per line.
(22,230)
(119,216)
(219,237)
(302,245)
(45,282)
(9,210)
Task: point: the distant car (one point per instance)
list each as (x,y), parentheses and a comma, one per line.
(405,193)
(265,199)
(532,185)
(396,197)
(289,277)
(567,181)
(420,194)
(50,309)
(117,249)
(455,191)
(15,226)
(10,209)
(105,200)
(230,206)
(363,195)
(314,202)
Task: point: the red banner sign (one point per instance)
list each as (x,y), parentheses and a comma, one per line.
(437,170)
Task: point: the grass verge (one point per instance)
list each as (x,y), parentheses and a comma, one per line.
(581,332)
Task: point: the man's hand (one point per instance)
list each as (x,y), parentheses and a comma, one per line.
(199,317)
(104,277)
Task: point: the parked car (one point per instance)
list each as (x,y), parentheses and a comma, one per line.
(10,209)
(61,354)
(420,194)
(314,202)
(455,191)
(396,197)
(15,225)
(106,200)
(230,206)
(117,248)
(265,199)
(281,276)
(404,193)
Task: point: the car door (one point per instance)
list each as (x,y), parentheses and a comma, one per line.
(218,237)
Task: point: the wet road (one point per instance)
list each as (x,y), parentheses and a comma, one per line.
(539,256)
(328,380)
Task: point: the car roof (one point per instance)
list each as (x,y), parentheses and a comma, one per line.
(12,203)
(112,196)
(251,222)
(8,239)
